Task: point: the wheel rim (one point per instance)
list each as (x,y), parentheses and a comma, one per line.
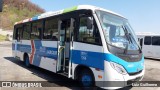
(86,80)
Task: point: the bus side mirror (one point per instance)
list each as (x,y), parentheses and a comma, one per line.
(89,22)
(1,5)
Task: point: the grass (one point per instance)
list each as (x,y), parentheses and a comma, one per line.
(2,38)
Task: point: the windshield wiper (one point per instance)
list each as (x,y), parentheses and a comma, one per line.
(135,42)
(127,34)
(130,37)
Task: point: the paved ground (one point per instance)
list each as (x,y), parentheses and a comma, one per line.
(14,70)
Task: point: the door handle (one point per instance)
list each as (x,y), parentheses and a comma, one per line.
(61,48)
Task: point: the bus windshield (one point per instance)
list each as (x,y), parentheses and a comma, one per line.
(117,31)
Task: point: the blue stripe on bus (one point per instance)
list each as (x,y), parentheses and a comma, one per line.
(91,59)
(13,46)
(37,56)
(49,52)
(96,60)
(24,48)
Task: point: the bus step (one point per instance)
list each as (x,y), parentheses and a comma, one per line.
(66,68)
(64,74)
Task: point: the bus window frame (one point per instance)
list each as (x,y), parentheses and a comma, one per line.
(44,23)
(150,40)
(68,15)
(29,31)
(158,39)
(16,36)
(94,25)
(41,33)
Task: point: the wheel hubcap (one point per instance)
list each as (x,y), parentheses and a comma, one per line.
(86,80)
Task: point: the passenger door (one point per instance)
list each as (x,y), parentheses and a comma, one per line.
(64,46)
(17,41)
(61,46)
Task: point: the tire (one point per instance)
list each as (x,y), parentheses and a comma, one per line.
(26,60)
(86,78)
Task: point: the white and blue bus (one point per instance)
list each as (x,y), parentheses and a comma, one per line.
(85,43)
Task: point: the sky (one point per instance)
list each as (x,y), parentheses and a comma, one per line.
(143,15)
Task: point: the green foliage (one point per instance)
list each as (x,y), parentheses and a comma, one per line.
(17,10)
(2,38)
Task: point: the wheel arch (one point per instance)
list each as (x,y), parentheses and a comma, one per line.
(25,55)
(80,68)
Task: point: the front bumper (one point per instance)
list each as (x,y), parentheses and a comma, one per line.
(117,80)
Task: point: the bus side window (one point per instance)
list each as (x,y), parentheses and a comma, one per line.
(51,30)
(147,40)
(156,40)
(19,33)
(26,32)
(15,34)
(36,32)
(87,33)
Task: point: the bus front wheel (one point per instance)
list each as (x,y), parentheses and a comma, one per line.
(86,78)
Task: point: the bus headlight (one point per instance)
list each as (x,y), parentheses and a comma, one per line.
(118,68)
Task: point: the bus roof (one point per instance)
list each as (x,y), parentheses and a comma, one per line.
(79,7)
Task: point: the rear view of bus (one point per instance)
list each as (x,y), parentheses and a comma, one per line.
(124,60)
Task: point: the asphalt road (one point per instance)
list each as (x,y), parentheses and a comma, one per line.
(15,70)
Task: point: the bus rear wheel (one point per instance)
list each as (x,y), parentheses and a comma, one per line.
(26,60)
(86,78)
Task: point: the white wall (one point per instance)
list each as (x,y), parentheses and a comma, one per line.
(7,32)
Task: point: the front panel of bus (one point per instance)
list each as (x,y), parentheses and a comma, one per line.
(124,60)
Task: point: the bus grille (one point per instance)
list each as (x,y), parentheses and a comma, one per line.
(135,73)
(130,58)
